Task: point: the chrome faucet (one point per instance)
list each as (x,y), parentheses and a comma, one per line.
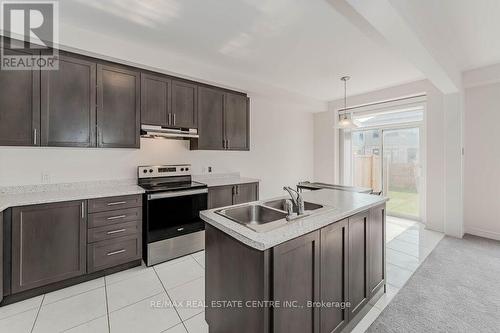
(297,200)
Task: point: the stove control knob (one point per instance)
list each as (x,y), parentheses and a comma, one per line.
(145,171)
(187,169)
(182,169)
(150,170)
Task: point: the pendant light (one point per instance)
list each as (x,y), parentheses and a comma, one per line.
(345,122)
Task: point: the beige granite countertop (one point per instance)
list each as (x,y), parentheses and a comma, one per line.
(337,206)
(13,196)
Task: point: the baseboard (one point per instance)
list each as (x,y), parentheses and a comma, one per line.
(482,233)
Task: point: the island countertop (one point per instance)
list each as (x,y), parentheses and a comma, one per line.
(337,206)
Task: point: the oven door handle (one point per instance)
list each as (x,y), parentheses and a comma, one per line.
(176,194)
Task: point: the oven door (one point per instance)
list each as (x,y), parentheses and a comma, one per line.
(171,214)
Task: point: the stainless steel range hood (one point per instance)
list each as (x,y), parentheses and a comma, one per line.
(150,131)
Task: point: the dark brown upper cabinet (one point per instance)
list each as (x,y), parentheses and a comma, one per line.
(184,105)
(236,121)
(19,106)
(223,120)
(49,244)
(68,110)
(210,120)
(118,107)
(155,100)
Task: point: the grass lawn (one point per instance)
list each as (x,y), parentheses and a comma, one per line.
(404,203)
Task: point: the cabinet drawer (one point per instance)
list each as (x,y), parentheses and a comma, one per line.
(114,203)
(113,252)
(113,231)
(114,217)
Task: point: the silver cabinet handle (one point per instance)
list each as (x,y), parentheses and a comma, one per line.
(115,252)
(34,136)
(115,231)
(116,217)
(117,203)
(227,144)
(83,209)
(174,119)
(180,229)
(169,121)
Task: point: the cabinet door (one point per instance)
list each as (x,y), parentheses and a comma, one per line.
(68,111)
(19,106)
(296,279)
(236,122)
(376,244)
(210,119)
(246,193)
(48,244)
(1,256)
(220,196)
(155,99)
(184,107)
(118,113)
(334,275)
(358,263)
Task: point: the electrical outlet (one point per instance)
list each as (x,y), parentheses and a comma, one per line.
(209,169)
(45,178)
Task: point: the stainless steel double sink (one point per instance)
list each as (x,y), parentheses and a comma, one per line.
(255,215)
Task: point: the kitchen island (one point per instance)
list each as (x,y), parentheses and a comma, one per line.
(319,273)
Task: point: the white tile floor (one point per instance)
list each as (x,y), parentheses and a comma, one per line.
(167,297)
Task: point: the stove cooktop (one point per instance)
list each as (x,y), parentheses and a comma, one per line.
(170,186)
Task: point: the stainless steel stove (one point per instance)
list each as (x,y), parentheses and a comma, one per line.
(172,226)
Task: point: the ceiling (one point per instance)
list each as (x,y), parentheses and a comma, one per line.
(468,28)
(301,46)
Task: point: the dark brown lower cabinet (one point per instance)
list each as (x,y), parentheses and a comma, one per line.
(328,266)
(296,279)
(49,244)
(376,249)
(1,256)
(246,193)
(358,262)
(221,196)
(334,276)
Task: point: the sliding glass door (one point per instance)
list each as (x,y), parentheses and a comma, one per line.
(388,161)
(402,171)
(384,153)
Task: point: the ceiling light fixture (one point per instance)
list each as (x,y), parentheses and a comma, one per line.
(345,122)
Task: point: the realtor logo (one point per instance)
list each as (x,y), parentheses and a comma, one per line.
(32,29)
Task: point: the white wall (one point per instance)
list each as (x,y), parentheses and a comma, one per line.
(482,154)
(281,154)
(326,144)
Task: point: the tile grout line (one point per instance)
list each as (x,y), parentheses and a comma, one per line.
(37,313)
(135,302)
(182,321)
(78,294)
(107,307)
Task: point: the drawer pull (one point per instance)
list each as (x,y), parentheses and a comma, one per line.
(116,217)
(180,229)
(115,231)
(117,203)
(115,252)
